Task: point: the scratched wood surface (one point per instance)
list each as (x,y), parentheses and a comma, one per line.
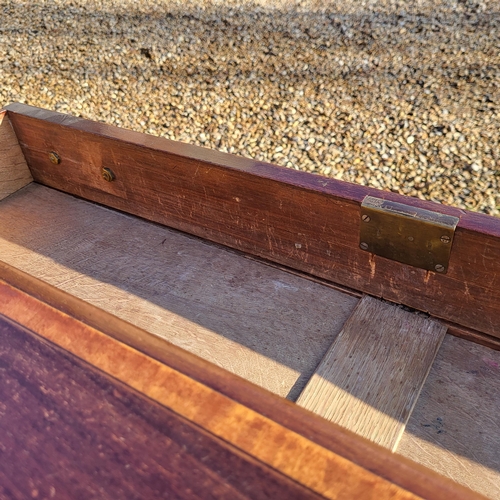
(261,323)
(68,431)
(20,292)
(294,455)
(301,220)
(14,172)
(371,377)
(455,427)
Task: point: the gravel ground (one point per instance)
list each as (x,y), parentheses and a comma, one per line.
(402,96)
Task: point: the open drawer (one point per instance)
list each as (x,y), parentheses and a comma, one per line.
(219,287)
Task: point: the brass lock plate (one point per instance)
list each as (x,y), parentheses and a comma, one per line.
(406,234)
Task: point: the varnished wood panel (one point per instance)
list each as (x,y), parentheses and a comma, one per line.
(294,455)
(68,431)
(14,172)
(370,378)
(297,219)
(233,311)
(455,427)
(380,461)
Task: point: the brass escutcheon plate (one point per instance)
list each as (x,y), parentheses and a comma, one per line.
(411,235)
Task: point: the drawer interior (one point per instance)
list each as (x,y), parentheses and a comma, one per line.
(260,322)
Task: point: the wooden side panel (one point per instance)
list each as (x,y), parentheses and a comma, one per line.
(370,378)
(396,469)
(309,464)
(232,311)
(297,219)
(455,427)
(68,431)
(14,172)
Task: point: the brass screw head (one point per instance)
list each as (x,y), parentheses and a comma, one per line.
(365,218)
(439,268)
(445,239)
(54,158)
(363,245)
(107,174)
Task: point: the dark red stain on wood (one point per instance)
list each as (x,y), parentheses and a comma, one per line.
(69,431)
(300,220)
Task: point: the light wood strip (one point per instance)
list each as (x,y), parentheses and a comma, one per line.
(14,172)
(232,311)
(455,427)
(292,454)
(370,378)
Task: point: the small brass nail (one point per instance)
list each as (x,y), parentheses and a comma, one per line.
(54,158)
(107,174)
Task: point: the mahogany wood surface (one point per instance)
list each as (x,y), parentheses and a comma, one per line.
(297,219)
(315,467)
(69,431)
(397,470)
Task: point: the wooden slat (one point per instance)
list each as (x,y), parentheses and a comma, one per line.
(455,427)
(396,469)
(199,296)
(69,431)
(14,172)
(307,222)
(285,451)
(370,378)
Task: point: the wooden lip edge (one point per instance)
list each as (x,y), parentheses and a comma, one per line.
(465,333)
(395,468)
(341,190)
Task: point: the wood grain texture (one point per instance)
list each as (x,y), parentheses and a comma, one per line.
(14,172)
(303,221)
(370,378)
(455,427)
(294,455)
(235,312)
(395,468)
(453,329)
(68,431)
